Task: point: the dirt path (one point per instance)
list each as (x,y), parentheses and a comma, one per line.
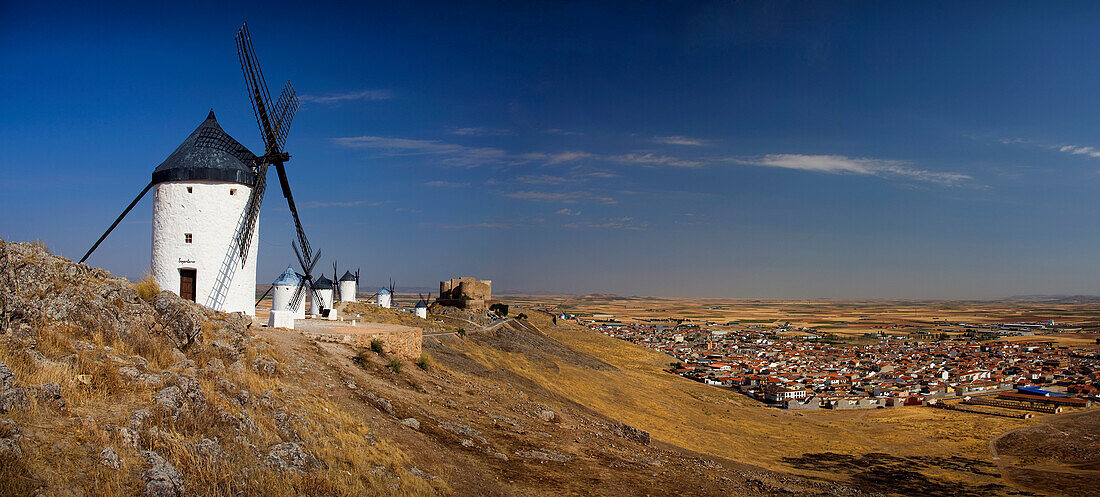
(486,328)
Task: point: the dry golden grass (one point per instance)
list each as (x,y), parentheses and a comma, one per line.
(147,287)
(62,447)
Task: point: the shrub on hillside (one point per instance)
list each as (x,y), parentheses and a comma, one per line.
(376,346)
(424,363)
(395,365)
(147,287)
(500,309)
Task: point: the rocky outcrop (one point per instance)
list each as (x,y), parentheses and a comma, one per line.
(180,319)
(161,478)
(7,378)
(15,398)
(109,458)
(36,286)
(290,457)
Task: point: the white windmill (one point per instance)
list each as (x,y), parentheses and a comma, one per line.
(207,202)
(421,309)
(322,296)
(347,286)
(283,290)
(385,296)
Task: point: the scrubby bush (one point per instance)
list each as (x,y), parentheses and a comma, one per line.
(395,365)
(500,309)
(521,316)
(424,363)
(462,332)
(147,287)
(376,346)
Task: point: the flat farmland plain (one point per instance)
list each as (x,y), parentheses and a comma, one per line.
(1077,318)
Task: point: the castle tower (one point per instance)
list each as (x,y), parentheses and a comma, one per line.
(201,192)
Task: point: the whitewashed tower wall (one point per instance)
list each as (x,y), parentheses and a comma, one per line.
(210,211)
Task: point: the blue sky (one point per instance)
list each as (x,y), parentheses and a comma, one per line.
(725,149)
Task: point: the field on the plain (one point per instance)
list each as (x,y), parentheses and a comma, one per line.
(844,317)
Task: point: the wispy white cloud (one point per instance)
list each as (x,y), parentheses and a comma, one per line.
(562,197)
(680,140)
(313,204)
(1077,150)
(466,226)
(562,132)
(568,212)
(1064,148)
(619,223)
(556,158)
(839,164)
(479,131)
(650,160)
(334,98)
(597,174)
(452,154)
(446,184)
(542,179)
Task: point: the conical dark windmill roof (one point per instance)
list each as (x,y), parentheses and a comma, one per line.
(208,154)
(347,276)
(322,283)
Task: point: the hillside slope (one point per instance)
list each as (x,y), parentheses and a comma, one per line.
(105,391)
(900,451)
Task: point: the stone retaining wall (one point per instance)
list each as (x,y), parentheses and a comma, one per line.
(405,343)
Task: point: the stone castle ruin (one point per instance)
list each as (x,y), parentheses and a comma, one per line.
(465,293)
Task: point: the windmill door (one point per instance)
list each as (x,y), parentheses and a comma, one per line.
(187,284)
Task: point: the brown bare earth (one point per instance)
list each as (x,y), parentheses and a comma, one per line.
(1060,455)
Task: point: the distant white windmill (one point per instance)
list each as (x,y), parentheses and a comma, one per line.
(322,296)
(421,309)
(283,289)
(349,286)
(385,296)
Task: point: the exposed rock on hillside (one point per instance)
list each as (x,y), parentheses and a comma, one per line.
(110,392)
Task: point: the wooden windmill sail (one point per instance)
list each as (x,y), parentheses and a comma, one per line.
(274,123)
